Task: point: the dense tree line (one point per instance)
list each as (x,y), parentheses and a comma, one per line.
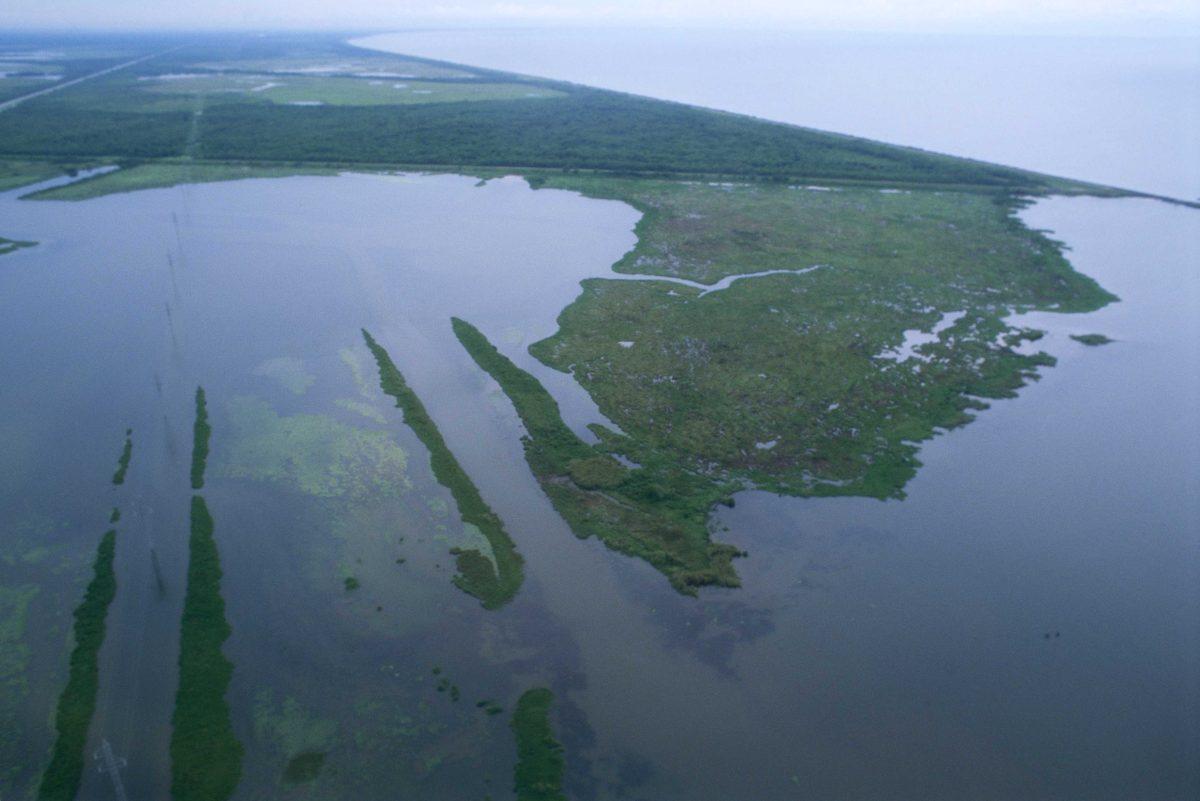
(587,129)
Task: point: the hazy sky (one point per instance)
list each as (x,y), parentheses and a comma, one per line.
(1029,16)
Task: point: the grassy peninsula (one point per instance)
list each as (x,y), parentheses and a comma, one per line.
(493,583)
(656,512)
(77,703)
(540,763)
(800,383)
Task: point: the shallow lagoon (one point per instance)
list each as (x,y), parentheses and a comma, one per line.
(877,650)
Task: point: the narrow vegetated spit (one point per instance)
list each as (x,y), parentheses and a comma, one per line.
(657,512)
(201,432)
(1091,340)
(206,756)
(540,763)
(494,585)
(77,703)
(123,461)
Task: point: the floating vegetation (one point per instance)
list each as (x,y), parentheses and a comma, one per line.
(1091,340)
(489,706)
(15,655)
(206,757)
(351,583)
(201,432)
(494,583)
(445,685)
(123,461)
(540,763)
(361,408)
(77,703)
(115,516)
(312,453)
(304,767)
(288,372)
(302,738)
(656,512)
(10,245)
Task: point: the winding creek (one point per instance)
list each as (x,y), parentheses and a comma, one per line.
(1022,625)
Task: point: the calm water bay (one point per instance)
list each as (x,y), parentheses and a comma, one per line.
(1023,625)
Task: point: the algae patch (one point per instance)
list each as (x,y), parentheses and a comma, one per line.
(288,372)
(361,408)
(300,737)
(303,767)
(314,454)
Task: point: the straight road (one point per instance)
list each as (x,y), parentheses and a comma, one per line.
(16,101)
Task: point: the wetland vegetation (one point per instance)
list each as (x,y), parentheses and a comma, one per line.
(292,100)
(312,453)
(77,703)
(134,176)
(796,383)
(15,173)
(540,762)
(495,580)
(123,460)
(656,512)
(12,245)
(206,756)
(201,433)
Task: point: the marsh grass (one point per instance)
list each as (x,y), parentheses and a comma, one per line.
(12,245)
(540,761)
(206,756)
(201,433)
(1091,340)
(123,461)
(304,767)
(77,703)
(493,584)
(655,512)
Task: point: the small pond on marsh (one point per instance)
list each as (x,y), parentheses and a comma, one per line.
(877,650)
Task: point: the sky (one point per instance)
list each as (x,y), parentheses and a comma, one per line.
(1135,17)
